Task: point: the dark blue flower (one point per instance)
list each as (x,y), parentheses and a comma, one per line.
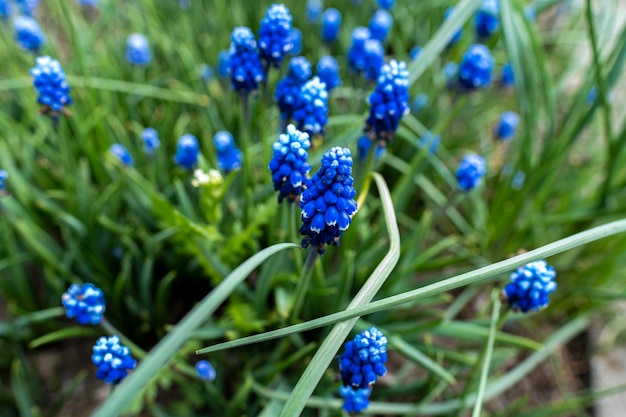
(138,50)
(331,23)
(328,72)
(364,359)
(206,73)
(356,53)
(295,38)
(419,103)
(150,139)
(3,177)
(112,359)
(314,10)
(289,166)
(429,140)
(507,76)
(506,127)
(274,41)
(223,64)
(229,157)
(415,52)
(389,101)
(121,153)
(205,370)
(311,113)
(471,171)
(386,4)
(363,146)
(288,89)
(380,25)
(84,303)
(187,151)
(374,59)
(486,21)
(49,81)
(355,400)
(476,68)
(28,33)
(457,36)
(530,286)
(328,202)
(245,67)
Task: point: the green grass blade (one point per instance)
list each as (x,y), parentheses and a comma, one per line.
(19,387)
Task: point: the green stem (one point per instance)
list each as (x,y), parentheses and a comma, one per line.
(244,133)
(303,283)
(293,235)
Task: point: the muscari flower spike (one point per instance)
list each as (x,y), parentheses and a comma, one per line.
(476,68)
(28,33)
(311,111)
(388,102)
(356,53)
(288,89)
(205,370)
(374,59)
(229,157)
(486,21)
(363,148)
(138,50)
(380,25)
(507,76)
(223,63)
(328,72)
(505,129)
(419,103)
(331,23)
(355,400)
(530,286)
(274,41)
(3,177)
(245,67)
(314,10)
(187,151)
(289,166)
(150,138)
(85,303)
(457,36)
(122,154)
(328,202)
(364,359)
(471,171)
(112,359)
(49,81)
(386,4)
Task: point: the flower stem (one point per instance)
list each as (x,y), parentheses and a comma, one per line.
(294,232)
(245,144)
(303,283)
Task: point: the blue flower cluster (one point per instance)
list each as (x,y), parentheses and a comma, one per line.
(355,400)
(187,150)
(363,146)
(364,359)
(486,21)
(380,25)
(229,157)
(507,126)
(244,63)
(150,138)
(530,286)
(3,177)
(288,89)
(28,33)
(289,166)
(84,302)
(274,35)
(49,81)
(138,50)
(366,55)
(331,23)
(471,171)
(311,112)
(122,154)
(328,72)
(205,370)
(112,359)
(328,202)
(476,68)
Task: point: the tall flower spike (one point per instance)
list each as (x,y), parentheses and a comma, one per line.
(380,25)
(3,177)
(476,68)
(84,303)
(187,151)
(205,370)
(288,89)
(138,50)
(274,41)
(328,72)
(229,157)
(150,138)
(28,33)
(486,21)
(328,202)
(122,154)
(388,102)
(289,166)
(355,400)
(112,359)
(331,23)
(507,126)
(471,171)
(311,111)
(49,81)
(364,359)
(530,286)
(245,67)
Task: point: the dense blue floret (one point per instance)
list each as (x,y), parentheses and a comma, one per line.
(311,113)
(364,359)
(314,10)
(274,41)
(223,64)
(245,67)
(288,89)
(355,400)
(328,72)
(28,33)
(386,4)
(205,370)
(187,151)
(486,21)
(380,25)
(457,36)
(112,359)
(138,50)
(471,171)
(122,154)
(3,177)
(328,201)
(84,303)
(389,101)
(507,76)
(229,157)
(363,146)
(49,81)
(415,52)
(150,138)
(507,126)
(476,68)
(289,166)
(530,286)
(331,23)
(419,103)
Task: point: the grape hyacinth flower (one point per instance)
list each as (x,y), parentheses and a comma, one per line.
(187,151)
(328,202)
(386,4)
(288,89)
(223,64)
(389,102)
(374,59)
(415,52)
(229,157)
(3,177)
(419,103)
(84,302)
(380,25)
(506,127)
(530,286)
(363,148)
(150,138)
(471,171)
(331,23)
(205,370)
(274,33)
(507,76)
(122,154)
(289,166)
(355,400)
(457,36)
(476,68)
(314,10)
(245,67)
(328,72)
(311,112)
(356,53)
(364,359)
(138,50)
(112,359)
(486,21)
(295,38)
(49,81)
(28,33)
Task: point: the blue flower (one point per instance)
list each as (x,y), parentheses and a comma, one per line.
(314,10)
(419,103)
(245,67)
(355,400)
(457,36)
(430,140)
(328,201)
(356,53)
(380,24)
(3,177)
(331,23)
(486,21)
(205,370)
(415,52)
(122,154)
(295,38)
(5,9)
(530,286)
(363,148)
(374,59)
(229,157)
(49,81)
(28,33)
(328,72)
(84,303)
(223,64)
(507,76)
(476,68)
(364,359)
(206,73)
(150,139)
(389,101)
(187,151)
(274,41)
(138,50)
(506,127)
(289,166)
(311,112)
(288,89)
(112,359)
(386,4)
(471,171)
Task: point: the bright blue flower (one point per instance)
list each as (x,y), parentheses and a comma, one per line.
(274,41)
(314,10)
(138,50)
(374,59)
(355,400)
(486,21)
(430,140)
(245,67)
(457,36)
(223,141)
(150,138)
(471,171)
(331,23)
(506,127)
(206,72)
(380,25)
(356,53)
(84,303)
(328,72)
(223,64)
(389,101)
(364,359)
(415,52)
(49,81)
(386,4)
(289,166)
(112,359)
(363,148)
(476,68)
(507,76)
(311,113)
(187,151)
(518,180)
(229,157)
(5,9)
(28,33)
(295,38)
(288,89)
(530,286)
(328,202)
(366,55)
(419,103)
(450,73)
(121,153)
(205,370)
(3,177)
(28,7)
